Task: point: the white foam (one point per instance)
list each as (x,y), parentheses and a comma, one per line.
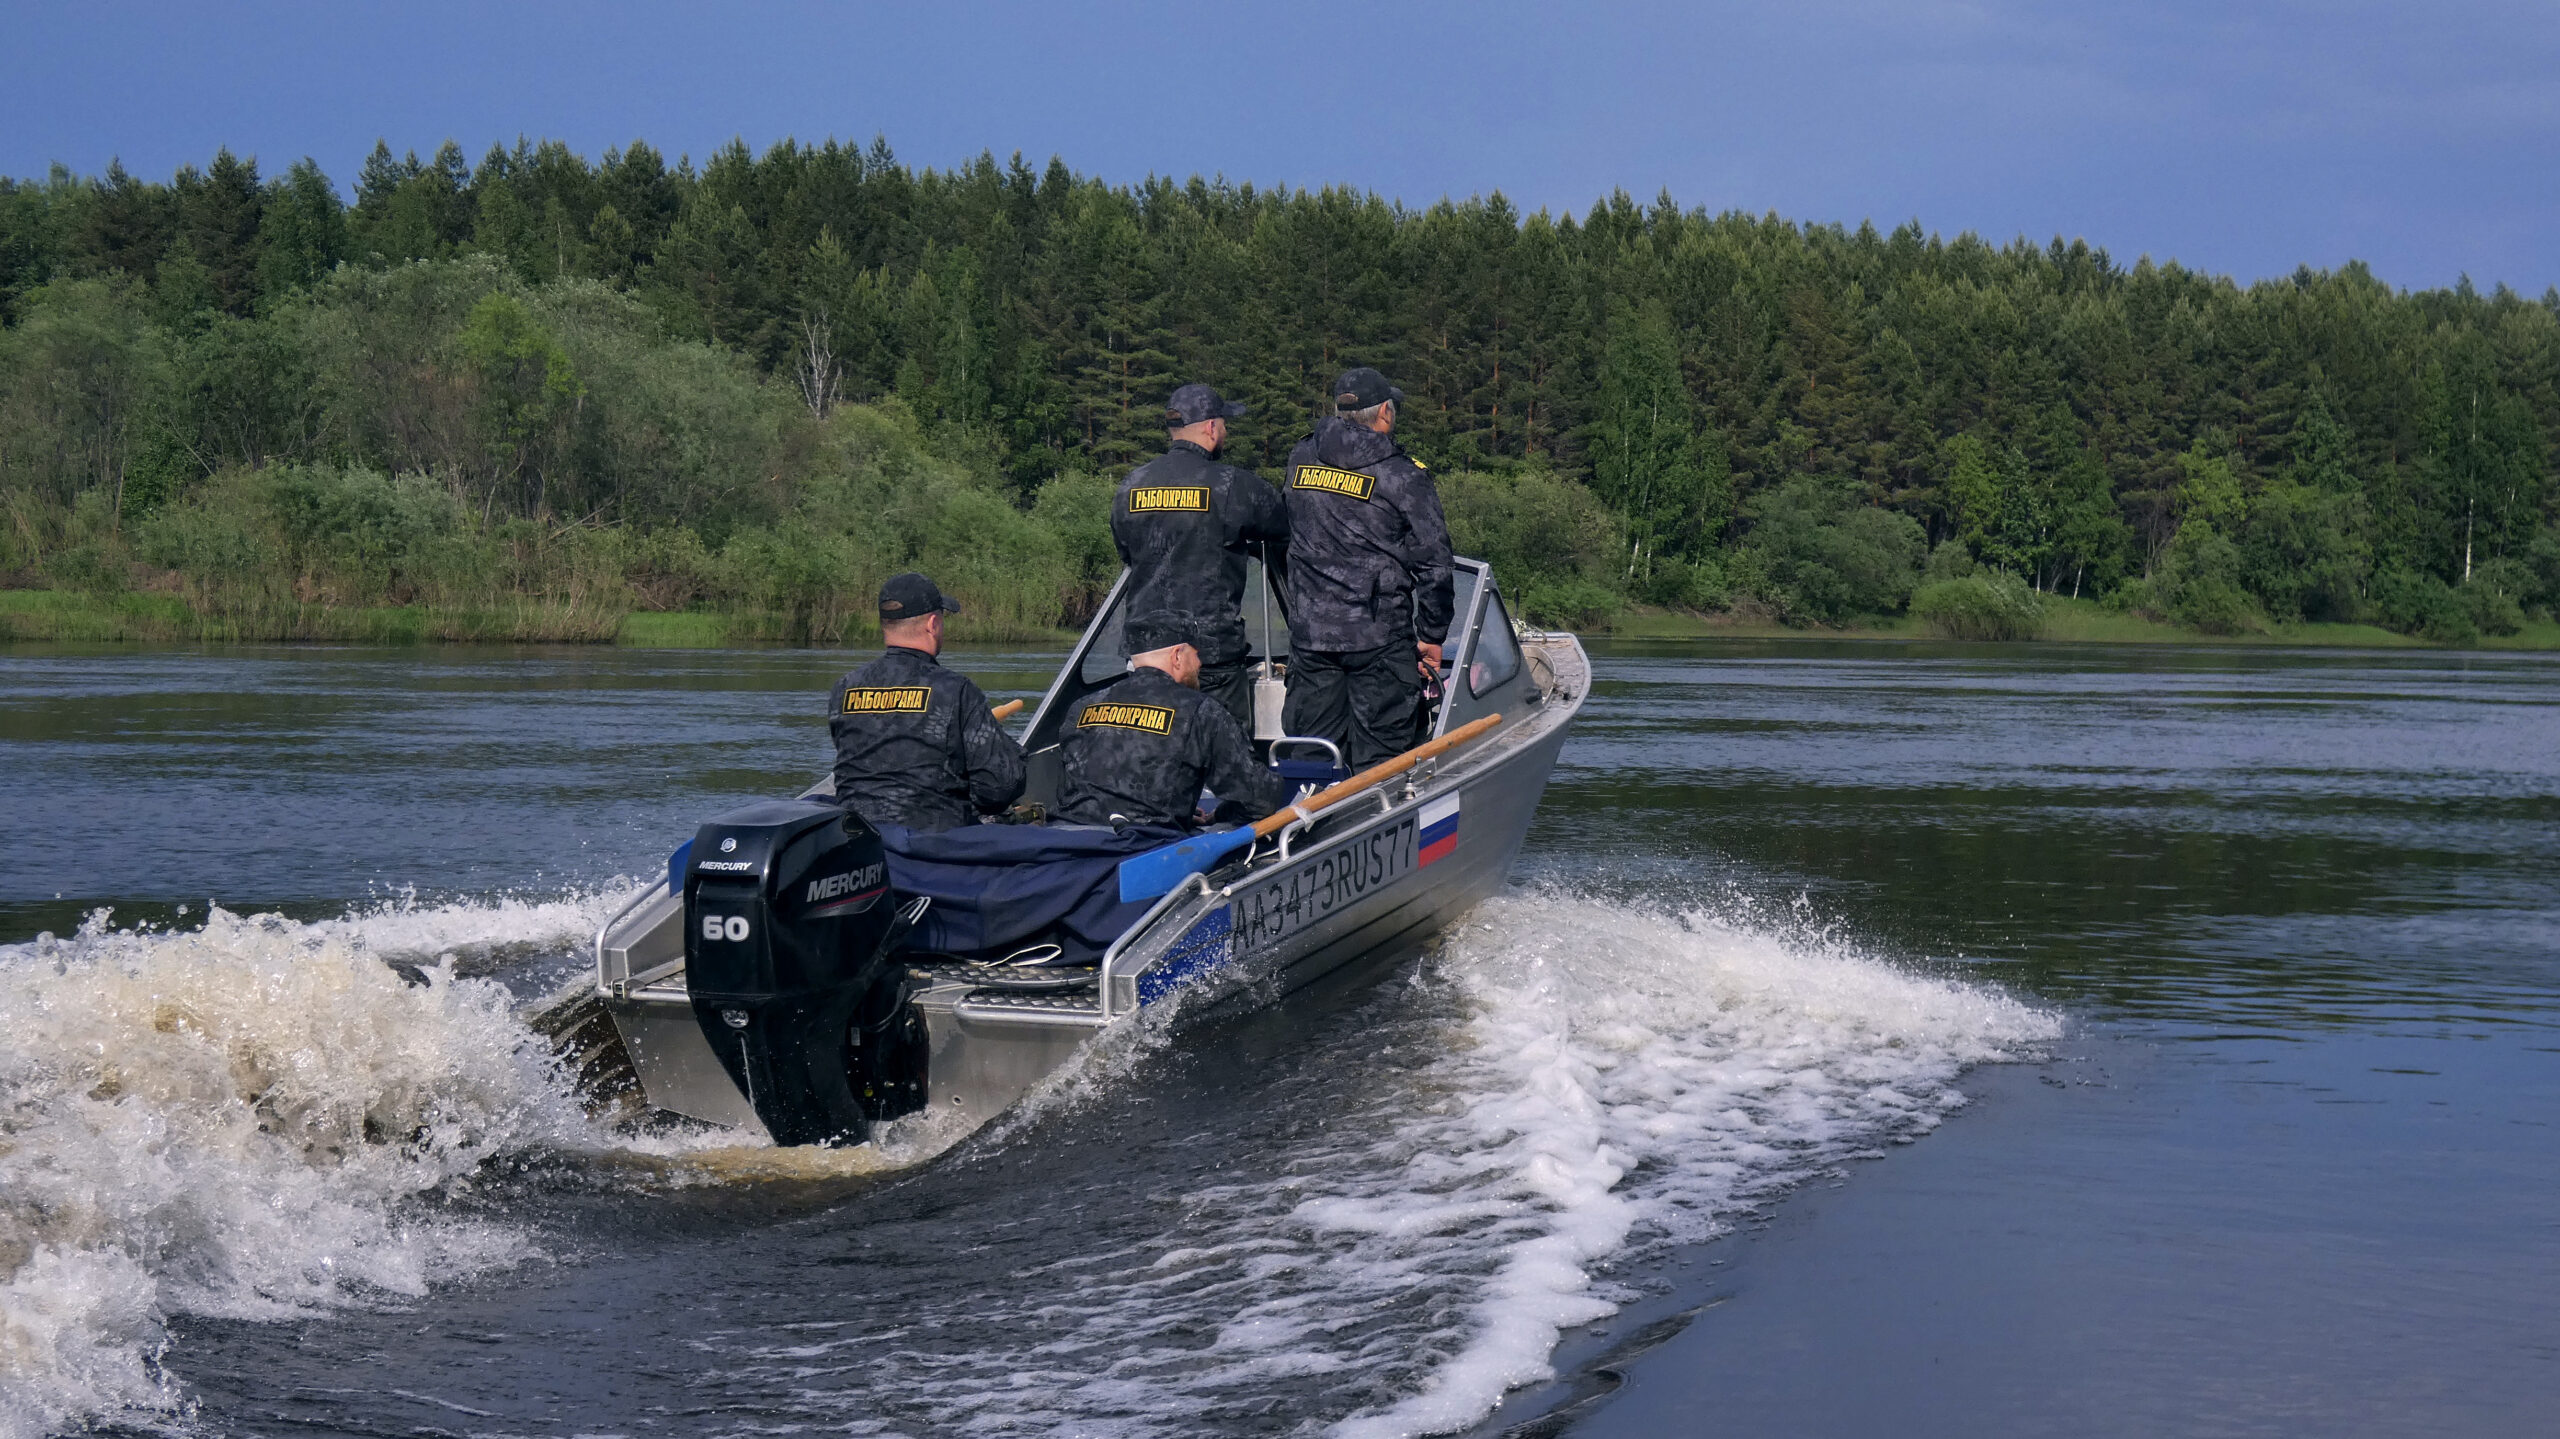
(254,1119)
(1632,1074)
(240,1121)
(1600,1080)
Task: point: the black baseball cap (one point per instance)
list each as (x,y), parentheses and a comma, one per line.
(1360,388)
(1156,630)
(904,597)
(1194,403)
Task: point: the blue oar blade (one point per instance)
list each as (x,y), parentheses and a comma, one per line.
(1147,875)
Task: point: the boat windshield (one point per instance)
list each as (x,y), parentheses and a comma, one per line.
(1102,655)
(1496,656)
(1266,630)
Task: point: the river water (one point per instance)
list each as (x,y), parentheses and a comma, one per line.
(1919,1039)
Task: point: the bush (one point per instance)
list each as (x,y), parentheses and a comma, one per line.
(2543,563)
(2198,582)
(362,525)
(2494,596)
(884,502)
(1827,557)
(669,569)
(811,582)
(1572,603)
(1705,583)
(1076,507)
(2303,551)
(2424,606)
(218,535)
(2215,606)
(1995,606)
(1549,539)
(1949,561)
(89,568)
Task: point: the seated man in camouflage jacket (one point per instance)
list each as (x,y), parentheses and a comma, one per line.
(1141,751)
(915,743)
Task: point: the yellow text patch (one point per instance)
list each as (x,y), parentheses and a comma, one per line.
(1334,482)
(1156,499)
(1148,719)
(906,699)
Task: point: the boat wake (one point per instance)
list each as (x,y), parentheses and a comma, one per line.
(256,1119)
(1569,1084)
(261,1119)
(1623,1079)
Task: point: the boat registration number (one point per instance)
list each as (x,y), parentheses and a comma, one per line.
(1312,889)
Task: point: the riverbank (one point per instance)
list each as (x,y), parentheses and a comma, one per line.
(65,616)
(2067,621)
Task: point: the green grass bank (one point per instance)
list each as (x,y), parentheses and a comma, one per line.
(67,616)
(2065,621)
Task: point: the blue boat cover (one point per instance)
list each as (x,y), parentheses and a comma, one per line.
(997,887)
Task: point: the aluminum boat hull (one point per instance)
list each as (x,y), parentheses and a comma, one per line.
(1371,879)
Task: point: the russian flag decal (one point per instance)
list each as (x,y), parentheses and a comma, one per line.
(1439,837)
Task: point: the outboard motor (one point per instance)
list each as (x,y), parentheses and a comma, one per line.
(788,931)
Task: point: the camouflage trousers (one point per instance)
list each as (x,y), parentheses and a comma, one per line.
(1367,701)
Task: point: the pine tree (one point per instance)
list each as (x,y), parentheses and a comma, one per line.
(217,219)
(302,233)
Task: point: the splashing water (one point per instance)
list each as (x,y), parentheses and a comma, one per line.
(1627,1075)
(1600,1081)
(246,1121)
(260,1119)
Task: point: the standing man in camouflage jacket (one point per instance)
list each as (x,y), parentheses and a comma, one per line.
(915,743)
(1184,525)
(1371,579)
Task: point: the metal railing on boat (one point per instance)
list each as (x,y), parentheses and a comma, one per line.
(1120,946)
(607,981)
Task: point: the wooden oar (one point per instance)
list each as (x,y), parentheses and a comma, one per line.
(1147,875)
(1008,709)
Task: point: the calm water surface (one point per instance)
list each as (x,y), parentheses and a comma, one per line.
(2275,937)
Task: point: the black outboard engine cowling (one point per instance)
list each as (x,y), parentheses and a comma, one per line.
(788,929)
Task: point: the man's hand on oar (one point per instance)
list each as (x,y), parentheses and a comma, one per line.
(1147,875)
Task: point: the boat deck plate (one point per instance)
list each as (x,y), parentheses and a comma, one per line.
(1083,1008)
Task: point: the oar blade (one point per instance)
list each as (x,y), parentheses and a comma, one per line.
(1148,875)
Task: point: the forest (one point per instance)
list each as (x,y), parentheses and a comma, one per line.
(534,396)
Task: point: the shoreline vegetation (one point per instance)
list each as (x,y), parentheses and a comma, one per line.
(31,617)
(548,399)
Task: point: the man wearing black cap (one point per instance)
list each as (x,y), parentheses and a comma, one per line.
(1370,577)
(1141,751)
(1183,524)
(915,744)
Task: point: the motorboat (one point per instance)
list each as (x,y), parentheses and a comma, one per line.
(781,980)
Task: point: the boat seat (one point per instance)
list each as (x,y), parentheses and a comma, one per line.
(1311,771)
(1308,759)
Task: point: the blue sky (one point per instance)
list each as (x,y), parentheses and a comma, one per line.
(2243,137)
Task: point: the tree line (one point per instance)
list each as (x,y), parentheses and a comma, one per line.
(759,381)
